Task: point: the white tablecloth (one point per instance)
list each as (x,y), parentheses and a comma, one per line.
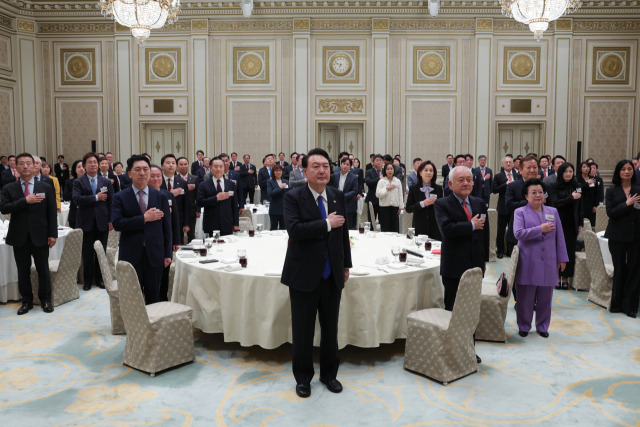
(604,248)
(62,216)
(253,309)
(9,271)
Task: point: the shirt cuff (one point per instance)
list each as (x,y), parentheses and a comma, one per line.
(97,200)
(422,204)
(328,225)
(473,226)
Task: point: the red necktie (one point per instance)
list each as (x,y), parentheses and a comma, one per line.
(466,210)
(509,176)
(218,187)
(545,173)
(482,172)
(169,184)
(26,189)
(141,203)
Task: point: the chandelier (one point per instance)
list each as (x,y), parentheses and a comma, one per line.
(538,13)
(141,15)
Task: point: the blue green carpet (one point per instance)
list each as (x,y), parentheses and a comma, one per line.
(64,369)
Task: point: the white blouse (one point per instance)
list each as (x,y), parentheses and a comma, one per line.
(390,198)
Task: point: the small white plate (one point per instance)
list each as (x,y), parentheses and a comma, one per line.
(358,272)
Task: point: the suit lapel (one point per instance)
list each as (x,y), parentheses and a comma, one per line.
(331,199)
(310,204)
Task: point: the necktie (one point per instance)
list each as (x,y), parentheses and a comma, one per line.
(269,170)
(482,172)
(36,179)
(143,206)
(169,184)
(218,187)
(327,266)
(15,173)
(26,189)
(93,186)
(466,210)
(509,177)
(545,173)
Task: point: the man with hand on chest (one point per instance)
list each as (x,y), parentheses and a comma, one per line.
(180,190)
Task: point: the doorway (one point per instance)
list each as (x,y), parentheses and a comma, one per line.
(518,138)
(164,138)
(338,137)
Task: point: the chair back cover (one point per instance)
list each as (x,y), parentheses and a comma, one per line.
(132,305)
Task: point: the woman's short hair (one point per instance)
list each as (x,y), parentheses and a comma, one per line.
(421,168)
(616,172)
(274,169)
(530,182)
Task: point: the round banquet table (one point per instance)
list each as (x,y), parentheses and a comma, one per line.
(260,217)
(64,215)
(252,307)
(9,271)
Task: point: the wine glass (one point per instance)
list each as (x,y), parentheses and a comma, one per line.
(411,232)
(216,237)
(266,204)
(367,226)
(395,251)
(208,242)
(259,228)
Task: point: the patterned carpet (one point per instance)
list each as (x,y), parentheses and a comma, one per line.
(64,369)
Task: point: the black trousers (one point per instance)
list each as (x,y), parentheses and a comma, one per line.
(40,254)
(626,276)
(164,284)
(277,222)
(450,291)
(149,278)
(191,234)
(89,257)
(503,222)
(324,301)
(389,219)
(352,221)
(250,191)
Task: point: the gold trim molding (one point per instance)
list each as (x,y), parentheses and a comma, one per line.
(342,25)
(340,105)
(72,28)
(5,21)
(563,25)
(199,25)
(631,26)
(435,24)
(380,24)
(230,26)
(301,24)
(484,24)
(26,26)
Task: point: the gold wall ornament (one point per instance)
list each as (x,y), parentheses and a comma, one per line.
(197,25)
(380,24)
(301,24)
(505,147)
(251,65)
(340,64)
(433,25)
(563,25)
(26,26)
(163,66)
(580,25)
(431,64)
(484,24)
(521,65)
(341,25)
(77,67)
(611,65)
(5,22)
(250,26)
(76,28)
(508,25)
(341,105)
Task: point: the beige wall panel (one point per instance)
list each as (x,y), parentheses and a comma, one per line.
(608,130)
(5,53)
(251,126)
(430,128)
(7,129)
(79,121)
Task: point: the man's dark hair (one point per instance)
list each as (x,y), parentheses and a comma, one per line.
(314,152)
(417,159)
(459,156)
(558,156)
(375,156)
(387,158)
(136,158)
(372,156)
(168,156)
(345,160)
(449,155)
(528,158)
(199,151)
(482,156)
(154,166)
(467,156)
(221,155)
(88,156)
(293,154)
(343,153)
(280,153)
(23,155)
(180,158)
(60,156)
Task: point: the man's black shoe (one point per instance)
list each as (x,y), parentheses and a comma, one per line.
(478,360)
(303,390)
(47,307)
(24,308)
(500,255)
(333,385)
(86,288)
(101,284)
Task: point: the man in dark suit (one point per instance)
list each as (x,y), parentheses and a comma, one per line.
(371,178)
(485,176)
(4,163)
(33,230)
(62,170)
(235,178)
(180,190)
(235,164)
(460,160)
(109,157)
(446,168)
(264,175)
(193,182)
(347,182)
(205,171)
(249,177)
(93,195)
(220,206)
(293,164)
(281,161)
(370,164)
(513,198)
(360,174)
(545,170)
(143,217)
(508,176)
(124,180)
(462,227)
(37,175)
(199,163)
(103,165)
(316,268)
(9,175)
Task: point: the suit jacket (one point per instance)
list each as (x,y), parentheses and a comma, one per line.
(284,164)
(218,215)
(637,176)
(61,174)
(112,178)
(276,196)
(462,247)
(183,201)
(154,237)
(540,252)
(68,197)
(477,184)
(296,179)
(500,187)
(200,173)
(263,177)
(286,171)
(567,206)
(46,180)
(124,181)
(350,190)
(360,174)
(371,178)
(424,219)
(550,172)
(92,213)
(624,221)
(195,167)
(412,179)
(234,165)
(446,169)
(7,177)
(249,181)
(485,184)
(513,200)
(176,226)
(310,243)
(193,196)
(239,193)
(38,220)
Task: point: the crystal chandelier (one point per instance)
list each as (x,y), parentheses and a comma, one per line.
(141,15)
(538,13)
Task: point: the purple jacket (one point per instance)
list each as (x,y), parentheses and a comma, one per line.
(540,252)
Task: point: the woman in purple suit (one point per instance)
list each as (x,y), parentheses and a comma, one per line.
(542,252)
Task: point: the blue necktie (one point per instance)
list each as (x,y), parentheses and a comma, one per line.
(327,266)
(93,186)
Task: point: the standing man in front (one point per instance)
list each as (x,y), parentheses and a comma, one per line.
(508,176)
(142,215)
(33,230)
(371,178)
(192,185)
(316,268)
(92,194)
(264,175)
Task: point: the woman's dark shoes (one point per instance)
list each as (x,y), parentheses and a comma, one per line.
(24,308)
(303,390)
(333,385)
(565,285)
(47,307)
(632,315)
(543,334)
(559,285)
(478,360)
(523,333)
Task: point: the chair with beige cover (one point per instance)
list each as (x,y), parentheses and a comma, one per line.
(160,335)
(112,250)
(245,223)
(493,200)
(493,233)
(602,219)
(375,225)
(601,273)
(407,222)
(581,280)
(63,272)
(117,324)
(493,307)
(439,342)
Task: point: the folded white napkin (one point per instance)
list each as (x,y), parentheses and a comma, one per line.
(277,232)
(187,254)
(358,272)
(231,239)
(414,260)
(397,266)
(196,242)
(273,273)
(233,267)
(228,260)
(370,234)
(383,260)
